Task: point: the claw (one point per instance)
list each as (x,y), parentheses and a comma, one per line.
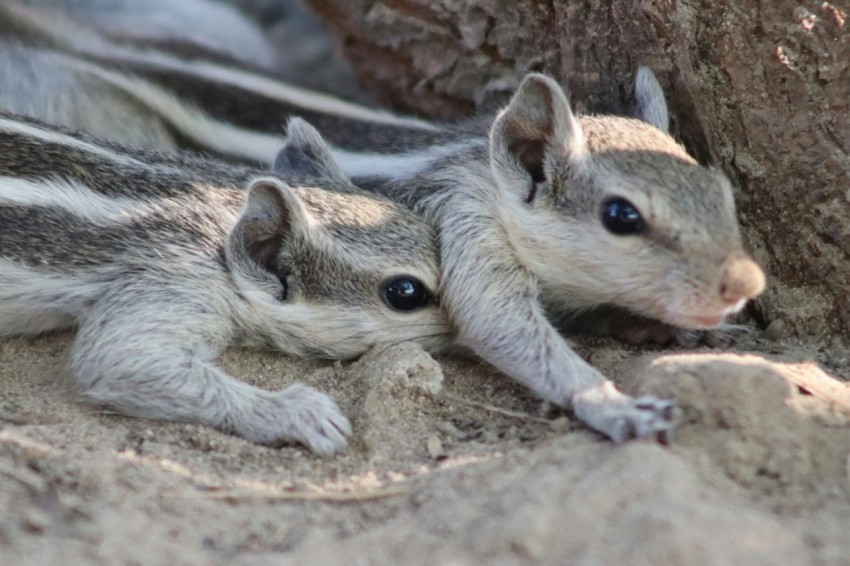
(298,413)
(621,418)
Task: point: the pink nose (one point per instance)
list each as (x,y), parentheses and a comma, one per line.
(742,279)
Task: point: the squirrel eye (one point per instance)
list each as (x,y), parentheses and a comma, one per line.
(406,294)
(621,217)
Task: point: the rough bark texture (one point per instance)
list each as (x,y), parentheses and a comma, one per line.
(759,88)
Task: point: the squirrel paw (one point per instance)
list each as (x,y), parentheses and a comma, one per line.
(302,414)
(623,418)
(646,417)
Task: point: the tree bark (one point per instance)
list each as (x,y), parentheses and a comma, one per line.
(759,88)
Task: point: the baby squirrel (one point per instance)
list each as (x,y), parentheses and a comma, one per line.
(558,213)
(547,215)
(554,213)
(542,215)
(162,261)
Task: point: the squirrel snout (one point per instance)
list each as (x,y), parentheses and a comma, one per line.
(742,279)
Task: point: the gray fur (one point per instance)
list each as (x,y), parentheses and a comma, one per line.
(54,38)
(43,44)
(519,218)
(518,213)
(651,105)
(161,263)
(38,82)
(306,155)
(190,28)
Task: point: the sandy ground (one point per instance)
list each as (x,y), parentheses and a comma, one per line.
(451,463)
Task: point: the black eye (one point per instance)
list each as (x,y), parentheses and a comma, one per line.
(406,294)
(622,217)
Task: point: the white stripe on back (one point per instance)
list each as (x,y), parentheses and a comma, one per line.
(70,197)
(88,41)
(191,122)
(270,88)
(303,98)
(53,136)
(258,146)
(392,166)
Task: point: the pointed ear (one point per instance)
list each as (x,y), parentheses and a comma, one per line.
(651,106)
(272,218)
(306,155)
(537,120)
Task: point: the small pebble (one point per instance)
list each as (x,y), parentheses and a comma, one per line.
(561,424)
(450,429)
(36,520)
(435,448)
(776,330)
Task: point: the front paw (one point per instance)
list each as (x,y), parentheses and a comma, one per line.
(302,414)
(645,417)
(623,418)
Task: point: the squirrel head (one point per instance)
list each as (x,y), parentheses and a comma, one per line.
(630,218)
(357,268)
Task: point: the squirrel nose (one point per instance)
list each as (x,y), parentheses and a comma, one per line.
(742,279)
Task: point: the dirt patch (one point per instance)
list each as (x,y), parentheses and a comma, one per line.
(450,463)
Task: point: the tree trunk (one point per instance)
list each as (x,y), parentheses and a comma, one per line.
(759,88)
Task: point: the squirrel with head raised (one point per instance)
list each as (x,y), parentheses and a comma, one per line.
(160,262)
(554,214)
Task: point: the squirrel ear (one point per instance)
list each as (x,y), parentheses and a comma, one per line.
(651,106)
(537,120)
(305,156)
(272,219)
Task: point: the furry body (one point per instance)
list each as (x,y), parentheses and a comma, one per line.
(518,204)
(160,262)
